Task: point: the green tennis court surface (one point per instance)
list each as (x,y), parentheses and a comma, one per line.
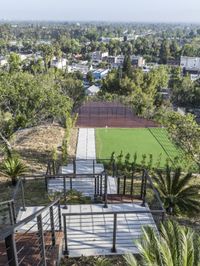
(153,141)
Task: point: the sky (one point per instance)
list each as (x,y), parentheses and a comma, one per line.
(102,10)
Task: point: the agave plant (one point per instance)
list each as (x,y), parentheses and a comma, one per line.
(175,246)
(177,192)
(13,167)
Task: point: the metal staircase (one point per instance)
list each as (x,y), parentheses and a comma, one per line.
(35,240)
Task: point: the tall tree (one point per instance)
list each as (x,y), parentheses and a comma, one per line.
(127,67)
(14,62)
(48,52)
(29,100)
(164,52)
(185,132)
(73,88)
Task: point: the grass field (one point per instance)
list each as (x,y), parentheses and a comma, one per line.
(141,140)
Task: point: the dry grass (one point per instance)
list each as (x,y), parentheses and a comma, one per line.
(73,142)
(35,145)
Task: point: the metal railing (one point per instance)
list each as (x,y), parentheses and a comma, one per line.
(98,183)
(9,209)
(33,240)
(138,185)
(7,213)
(53,167)
(115,216)
(18,197)
(134,183)
(146,193)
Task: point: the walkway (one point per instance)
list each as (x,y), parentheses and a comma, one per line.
(83,184)
(85,156)
(86,144)
(91,235)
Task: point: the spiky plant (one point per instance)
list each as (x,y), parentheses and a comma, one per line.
(177,192)
(175,246)
(102,262)
(13,167)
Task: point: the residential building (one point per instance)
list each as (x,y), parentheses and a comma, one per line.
(111,59)
(190,64)
(92,90)
(115,61)
(108,39)
(98,56)
(194,77)
(120,59)
(100,73)
(3,61)
(84,69)
(25,56)
(59,63)
(137,61)
(165,93)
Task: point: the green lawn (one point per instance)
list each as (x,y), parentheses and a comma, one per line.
(141,140)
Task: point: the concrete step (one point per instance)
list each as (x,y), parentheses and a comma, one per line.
(93,234)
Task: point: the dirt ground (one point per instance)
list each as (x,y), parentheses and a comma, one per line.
(35,145)
(91,261)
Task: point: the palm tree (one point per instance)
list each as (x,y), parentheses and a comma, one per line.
(13,167)
(175,246)
(177,192)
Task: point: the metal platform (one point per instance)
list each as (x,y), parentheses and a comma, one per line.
(91,234)
(83,184)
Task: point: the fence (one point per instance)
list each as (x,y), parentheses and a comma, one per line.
(111,114)
(34,240)
(9,209)
(98,184)
(7,212)
(134,184)
(115,216)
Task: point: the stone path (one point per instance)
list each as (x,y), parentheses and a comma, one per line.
(86,185)
(85,157)
(86,144)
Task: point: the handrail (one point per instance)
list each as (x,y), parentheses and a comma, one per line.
(6,202)
(8,231)
(155,190)
(75,175)
(112,212)
(16,189)
(19,183)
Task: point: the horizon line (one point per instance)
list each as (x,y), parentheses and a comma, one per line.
(98,21)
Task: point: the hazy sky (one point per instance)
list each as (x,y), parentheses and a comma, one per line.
(104,10)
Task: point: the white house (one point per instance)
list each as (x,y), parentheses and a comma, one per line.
(59,63)
(84,69)
(92,90)
(190,63)
(25,56)
(3,61)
